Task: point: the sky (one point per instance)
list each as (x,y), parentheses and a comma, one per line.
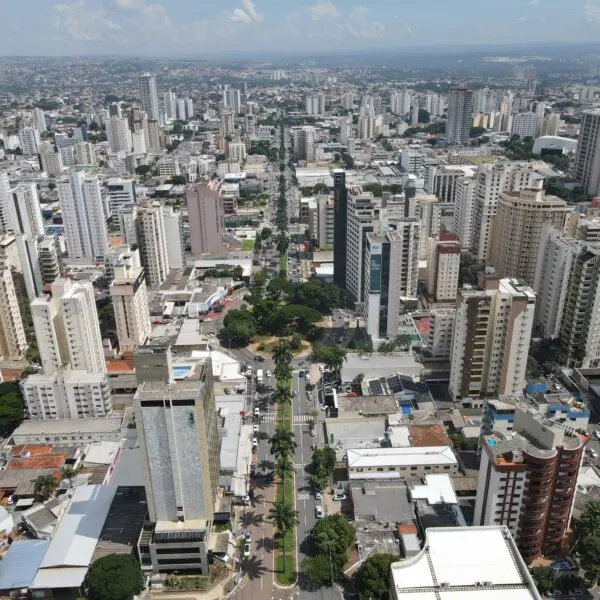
(244,27)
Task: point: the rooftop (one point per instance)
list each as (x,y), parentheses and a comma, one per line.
(21,562)
(476,562)
(426,455)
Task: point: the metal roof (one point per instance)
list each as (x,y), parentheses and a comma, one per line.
(21,562)
(426,455)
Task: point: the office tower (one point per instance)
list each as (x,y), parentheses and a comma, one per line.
(366,127)
(25,213)
(348,101)
(205,216)
(528,477)
(304,143)
(524,125)
(174,237)
(363,218)
(517,231)
(29,272)
(189,108)
(51,162)
(85,154)
(443,267)
(149,99)
(587,160)
(154,137)
(128,223)
(464,211)
(232,100)
(30,141)
(340,228)
(491,339)
(170,102)
(118,135)
(129,296)
(13,342)
(180,446)
(460,109)
(84,219)
(392,270)
(153,243)
(120,192)
(491,181)
(48,257)
(39,120)
(441,324)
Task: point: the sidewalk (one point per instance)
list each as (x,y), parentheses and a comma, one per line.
(221,590)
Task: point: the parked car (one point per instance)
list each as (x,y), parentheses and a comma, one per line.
(319,512)
(338,496)
(246,550)
(257,412)
(255,442)
(255,428)
(248,537)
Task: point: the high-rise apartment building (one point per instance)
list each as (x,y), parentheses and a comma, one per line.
(148,97)
(174,237)
(205,216)
(5,201)
(363,215)
(51,161)
(587,159)
(340,228)
(443,267)
(170,102)
(154,137)
(153,243)
(464,211)
(120,192)
(528,476)
(441,324)
(39,120)
(30,141)
(29,272)
(391,274)
(366,127)
(460,116)
(118,135)
(491,339)
(84,219)
(304,143)
(315,105)
(130,302)
(85,154)
(25,211)
(48,257)
(232,99)
(490,181)
(13,343)
(517,231)
(524,125)
(180,445)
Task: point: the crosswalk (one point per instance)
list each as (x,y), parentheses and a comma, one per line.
(297,418)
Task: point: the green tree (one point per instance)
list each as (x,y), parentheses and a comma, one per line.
(114,577)
(12,408)
(320,188)
(322,467)
(143,169)
(265,233)
(588,525)
(283,371)
(43,486)
(315,571)
(239,327)
(373,578)
(424,116)
(589,559)
(285,518)
(178,180)
(335,358)
(281,353)
(68,472)
(282,243)
(283,468)
(282,444)
(543,577)
(333,534)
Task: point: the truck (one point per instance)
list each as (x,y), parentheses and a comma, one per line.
(259,376)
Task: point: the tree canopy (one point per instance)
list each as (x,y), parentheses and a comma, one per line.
(373,578)
(239,327)
(333,533)
(12,408)
(114,577)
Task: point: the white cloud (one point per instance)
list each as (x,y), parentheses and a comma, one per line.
(85,24)
(591,10)
(360,26)
(408,28)
(323,10)
(534,3)
(246,15)
(240,16)
(521,19)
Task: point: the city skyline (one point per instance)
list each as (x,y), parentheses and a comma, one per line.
(101,27)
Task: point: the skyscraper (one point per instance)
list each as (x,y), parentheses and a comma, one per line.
(130,302)
(205,216)
(13,342)
(460,109)
(25,211)
(340,228)
(30,141)
(149,99)
(232,100)
(391,275)
(491,339)
(82,208)
(517,231)
(152,240)
(304,143)
(180,445)
(118,135)
(587,160)
(443,267)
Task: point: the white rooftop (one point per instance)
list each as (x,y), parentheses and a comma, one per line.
(437,489)
(476,562)
(383,457)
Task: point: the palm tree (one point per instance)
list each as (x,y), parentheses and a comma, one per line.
(588,524)
(284,517)
(281,352)
(283,371)
(335,358)
(283,468)
(282,243)
(282,396)
(282,444)
(43,486)
(68,472)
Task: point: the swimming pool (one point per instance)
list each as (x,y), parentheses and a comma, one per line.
(181,372)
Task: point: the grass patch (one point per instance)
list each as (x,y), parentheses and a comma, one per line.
(247,244)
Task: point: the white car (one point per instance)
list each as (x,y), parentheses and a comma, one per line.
(255,428)
(318,496)
(257,412)
(248,537)
(254,442)
(246,550)
(268,373)
(339,496)
(321,368)
(319,512)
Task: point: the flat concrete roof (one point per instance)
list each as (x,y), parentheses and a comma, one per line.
(425,455)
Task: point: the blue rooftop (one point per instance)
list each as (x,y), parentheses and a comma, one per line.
(20,563)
